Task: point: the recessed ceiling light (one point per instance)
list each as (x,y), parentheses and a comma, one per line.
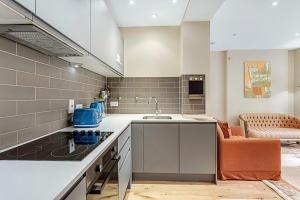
(154,16)
(174,1)
(275,3)
(76,65)
(297,34)
(131,2)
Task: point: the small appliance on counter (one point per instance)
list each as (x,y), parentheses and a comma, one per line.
(88,117)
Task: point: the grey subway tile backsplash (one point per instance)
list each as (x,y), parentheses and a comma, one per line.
(172,93)
(25,107)
(8,76)
(33,132)
(58,104)
(45,117)
(9,124)
(7,45)
(8,139)
(17,63)
(166,89)
(29,79)
(34,92)
(32,54)
(8,108)
(47,70)
(9,92)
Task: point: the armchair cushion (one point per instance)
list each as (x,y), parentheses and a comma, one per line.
(225,129)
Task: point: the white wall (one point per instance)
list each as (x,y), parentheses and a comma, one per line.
(291,60)
(151,51)
(297,83)
(236,103)
(195,47)
(216,106)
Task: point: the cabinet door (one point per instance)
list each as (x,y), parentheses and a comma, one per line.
(29,4)
(198,148)
(137,148)
(70,17)
(161,148)
(106,40)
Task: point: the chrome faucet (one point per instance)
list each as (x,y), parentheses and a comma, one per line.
(157,111)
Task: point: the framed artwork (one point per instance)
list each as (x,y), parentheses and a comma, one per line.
(257,79)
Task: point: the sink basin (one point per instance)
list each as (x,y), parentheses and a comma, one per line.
(157,117)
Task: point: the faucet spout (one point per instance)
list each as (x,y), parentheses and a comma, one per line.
(157,111)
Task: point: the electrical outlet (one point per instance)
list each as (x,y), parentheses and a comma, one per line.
(71,106)
(114,103)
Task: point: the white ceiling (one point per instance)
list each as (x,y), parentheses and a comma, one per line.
(168,13)
(140,14)
(202,10)
(257,25)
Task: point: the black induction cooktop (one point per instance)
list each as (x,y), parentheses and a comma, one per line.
(60,146)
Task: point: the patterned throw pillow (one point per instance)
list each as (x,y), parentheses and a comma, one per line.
(225,129)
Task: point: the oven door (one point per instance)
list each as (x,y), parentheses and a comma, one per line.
(107,186)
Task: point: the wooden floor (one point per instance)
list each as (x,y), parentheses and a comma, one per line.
(227,190)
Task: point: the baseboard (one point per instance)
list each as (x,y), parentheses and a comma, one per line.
(175,177)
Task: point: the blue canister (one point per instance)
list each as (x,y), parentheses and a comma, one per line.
(99,105)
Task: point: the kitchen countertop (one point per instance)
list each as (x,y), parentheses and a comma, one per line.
(48,180)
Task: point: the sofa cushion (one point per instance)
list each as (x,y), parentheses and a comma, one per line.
(276,133)
(225,129)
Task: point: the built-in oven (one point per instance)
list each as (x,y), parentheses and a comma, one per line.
(196,86)
(102,177)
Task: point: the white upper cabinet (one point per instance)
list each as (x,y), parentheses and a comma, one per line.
(70,17)
(29,4)
(106,39)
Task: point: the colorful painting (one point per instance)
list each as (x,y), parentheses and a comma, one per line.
(257,79)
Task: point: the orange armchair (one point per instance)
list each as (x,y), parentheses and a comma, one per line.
(243,158)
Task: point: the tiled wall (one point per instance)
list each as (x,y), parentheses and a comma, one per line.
(190,106)
(126,89)
(34,92)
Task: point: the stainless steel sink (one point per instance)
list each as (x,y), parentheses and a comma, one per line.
(157,117)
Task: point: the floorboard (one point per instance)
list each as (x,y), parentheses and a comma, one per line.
(225,190)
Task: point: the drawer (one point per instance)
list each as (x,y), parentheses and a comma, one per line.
(123,138)
(124,176)
(124,151)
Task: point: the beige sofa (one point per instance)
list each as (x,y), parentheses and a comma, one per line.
(271,125)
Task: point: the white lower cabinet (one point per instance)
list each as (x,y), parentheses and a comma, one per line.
(184,149)
(125,162)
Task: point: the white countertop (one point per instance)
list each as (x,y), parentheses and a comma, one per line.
(48,180)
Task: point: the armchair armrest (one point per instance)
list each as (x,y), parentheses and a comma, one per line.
(250,155)
(244,125)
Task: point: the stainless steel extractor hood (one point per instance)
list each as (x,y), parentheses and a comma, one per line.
(36,38)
